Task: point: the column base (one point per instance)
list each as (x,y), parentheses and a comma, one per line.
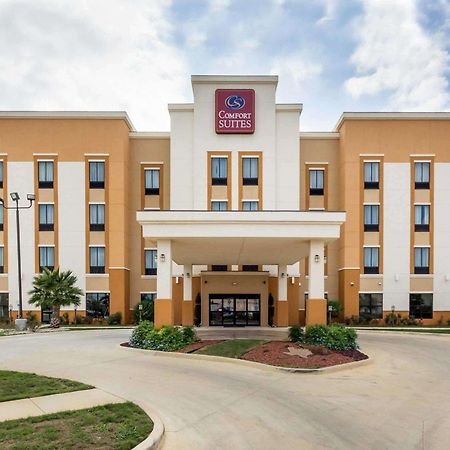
(282,313)
(316,311)
(163,312)
(187,313)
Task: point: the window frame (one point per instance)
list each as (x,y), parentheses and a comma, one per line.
(2,218)
(95,226)
(219,202)
(371,269)
(46,226)
(104,295)
(422,184)
(153,269)
(152,190)
(316,190)
(46,248)
(421,227)
(97,268)
(372,226)
(371,306)
(2,259)
(219,180)
(95,183)
(46,183)
(219,268)
(420,308)
(250,268)
(371,184)
(253,161)
(252,202)
(422,269)
(2,172)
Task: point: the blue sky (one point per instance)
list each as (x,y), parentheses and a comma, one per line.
(330,55)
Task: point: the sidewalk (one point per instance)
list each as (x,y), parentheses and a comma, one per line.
(48,404)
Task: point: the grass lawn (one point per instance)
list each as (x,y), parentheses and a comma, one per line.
(117,426)
(234,348)
(16,385)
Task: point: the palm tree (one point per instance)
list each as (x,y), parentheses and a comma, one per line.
(53,289)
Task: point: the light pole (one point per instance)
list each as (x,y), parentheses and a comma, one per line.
(15,198)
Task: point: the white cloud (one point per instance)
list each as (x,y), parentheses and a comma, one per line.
(329,7)
(218,5)
(107,54)
(396,56)
(295,70)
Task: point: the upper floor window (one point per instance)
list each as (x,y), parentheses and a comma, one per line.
(97,174)
(97,259)
(45,172)
(46,258)
(371,217)
(250,205)
(422,175)
(250,171)
(316,181)
(2,259)
(97,217)
(421,306)
(421,217)
(1,174)
(1,219)
(250,268)
(151,181)
(219,267)
(371,175)
(219,171)
(219,205)
(371,259)
(150,262)
(421,260)
(46,217)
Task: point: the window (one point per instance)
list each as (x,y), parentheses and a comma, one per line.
(46,219)
(371,260)
(371,306)
(422,218)
(4,306)
(150,262)
(371,217)
(422,175)
(316,182)
(97,175)
(148,296)
(1,219)
(250,205)
(45,172)
(250,171)
(97,304)
(97,259)
(250,268)
(97,217)
(151,181)
(2,259)
(1,174)
(219,268)
(46,258)
(219,171)
(421,260)
(371,175)
(219,205)
(421,306)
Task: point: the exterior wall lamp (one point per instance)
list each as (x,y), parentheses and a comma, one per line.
(188,275)
(162,257)
(317,258)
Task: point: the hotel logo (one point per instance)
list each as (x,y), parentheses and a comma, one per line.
(235,111)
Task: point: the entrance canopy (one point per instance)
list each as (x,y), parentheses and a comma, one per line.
(240,237)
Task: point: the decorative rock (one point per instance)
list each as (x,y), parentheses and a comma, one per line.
(302,352)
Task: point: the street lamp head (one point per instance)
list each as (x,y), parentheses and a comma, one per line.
(14,196)
(1,201)
(31,197)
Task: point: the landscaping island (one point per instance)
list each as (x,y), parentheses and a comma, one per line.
(316,347)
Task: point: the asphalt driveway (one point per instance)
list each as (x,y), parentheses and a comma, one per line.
(400,401)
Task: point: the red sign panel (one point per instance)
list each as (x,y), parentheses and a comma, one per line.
(235,111)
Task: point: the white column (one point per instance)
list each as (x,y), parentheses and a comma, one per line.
(282,282)
(164,272)
(316,270)
(187,283)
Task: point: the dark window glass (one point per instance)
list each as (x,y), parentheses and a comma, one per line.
(97,217)
(150,262)
(371,175)
(46,258)
(219,171)
(1,219)
(97,174)
(371,217)
(4,306)
(97,259)
(219,268)
(46,217)
(371,259)
(421,217)
(250,171)
(151,181)
(1,174)
(250,268)
(2,259)
(45,172)
(421,260)
(97,304)
(422,175)
(316,182)
(371,306)
(421,306)
(148,296)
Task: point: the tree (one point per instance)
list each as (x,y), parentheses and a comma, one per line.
(53,289)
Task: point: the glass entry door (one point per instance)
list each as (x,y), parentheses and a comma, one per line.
(234,310)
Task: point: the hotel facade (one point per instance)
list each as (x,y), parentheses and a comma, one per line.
(234,217)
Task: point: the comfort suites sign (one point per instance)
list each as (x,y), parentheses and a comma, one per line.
(235,111)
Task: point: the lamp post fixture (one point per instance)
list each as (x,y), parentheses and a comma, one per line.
(15,198)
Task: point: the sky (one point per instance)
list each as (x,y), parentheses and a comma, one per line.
(138,55)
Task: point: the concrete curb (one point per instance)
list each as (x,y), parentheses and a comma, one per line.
(402,332)
(243,362)
(155,439)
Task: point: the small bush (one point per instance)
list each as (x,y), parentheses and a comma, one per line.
(296,333)
(115,319)
(64,319)
(32,320)
(166,339)
(146,313)
(334,337)
(336,308)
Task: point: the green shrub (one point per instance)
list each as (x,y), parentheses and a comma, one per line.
(115,319)
(146,313)
(166,339)
(334,337)
(296,333)
(336,308)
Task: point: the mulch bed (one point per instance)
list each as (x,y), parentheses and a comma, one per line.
(276,353)
(198,345)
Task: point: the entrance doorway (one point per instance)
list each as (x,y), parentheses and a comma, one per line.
(234,310)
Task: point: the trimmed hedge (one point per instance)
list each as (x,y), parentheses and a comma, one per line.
(166,339)
(334,337)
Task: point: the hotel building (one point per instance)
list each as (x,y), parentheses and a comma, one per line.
(234,217)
